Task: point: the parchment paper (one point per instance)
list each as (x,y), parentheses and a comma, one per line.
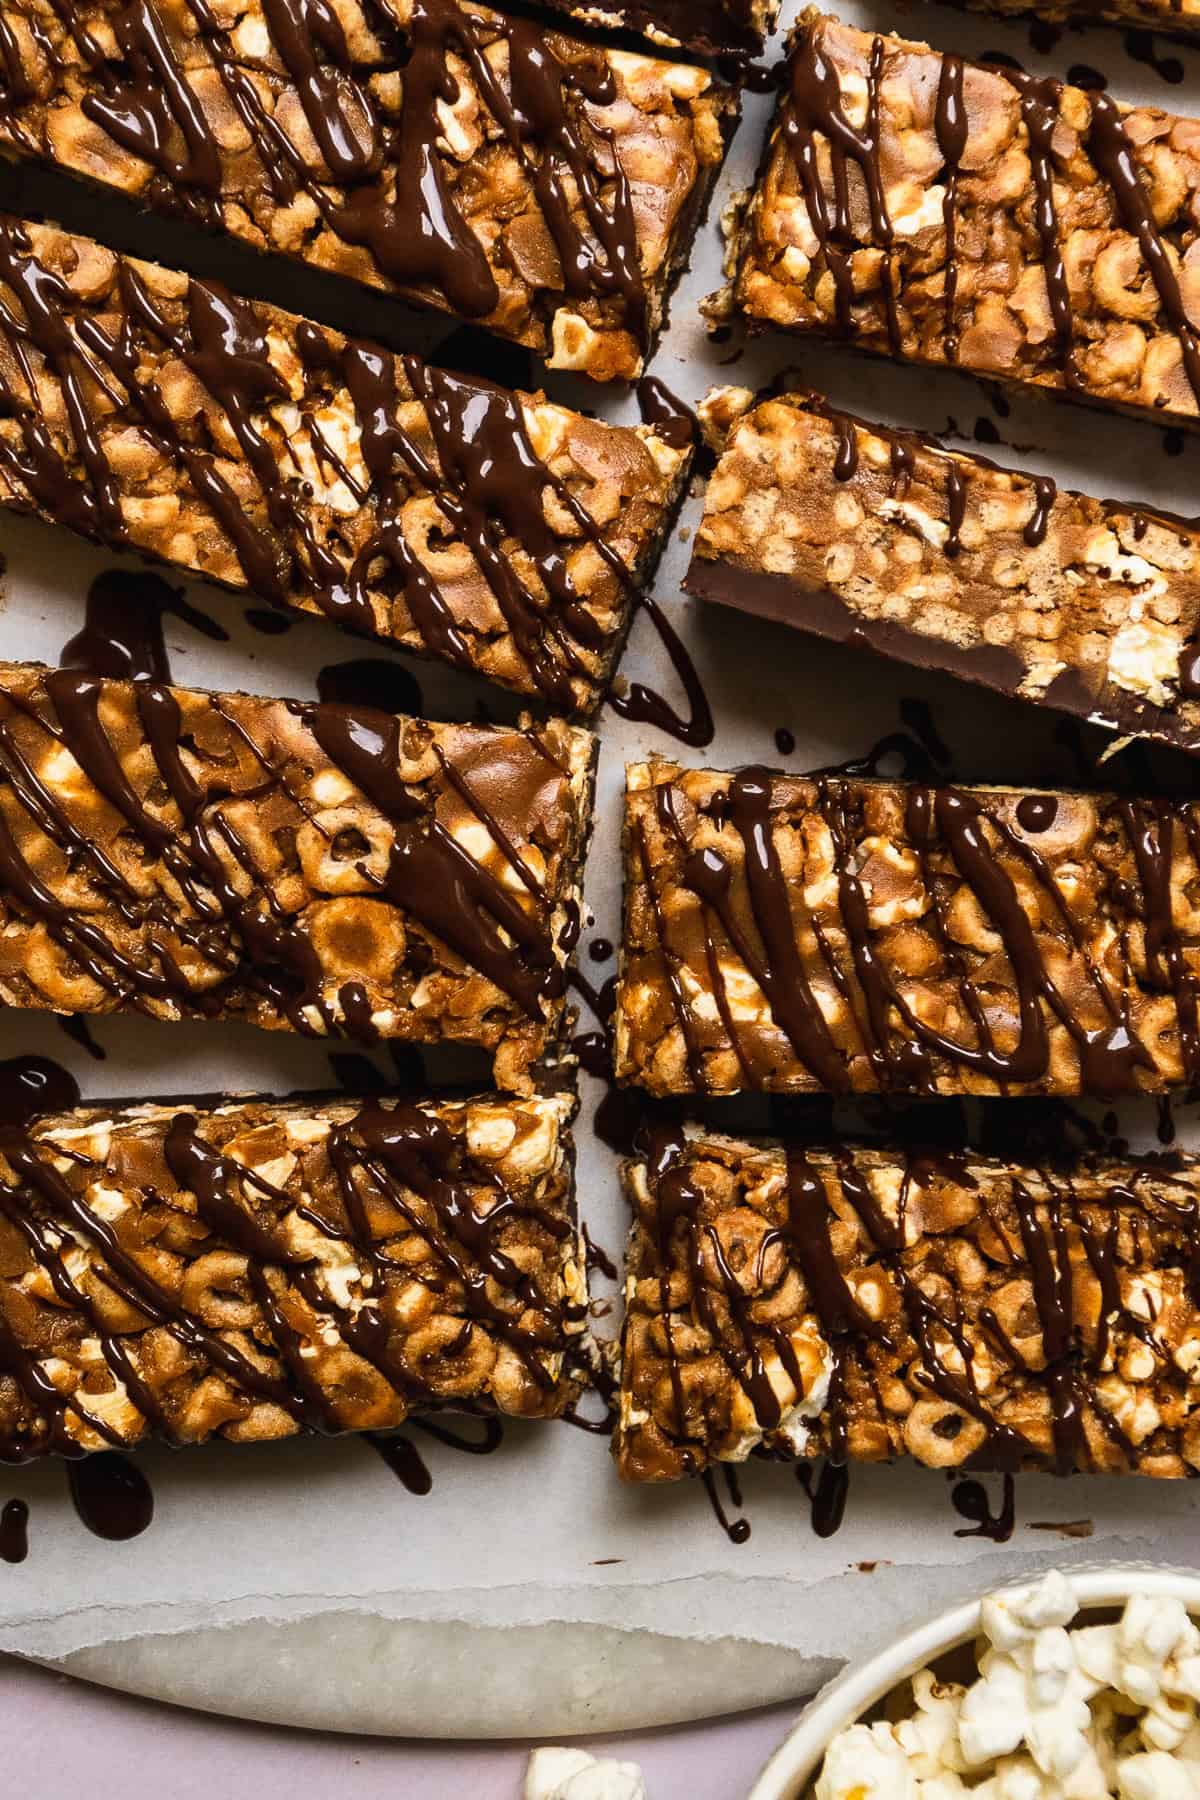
(531,1592)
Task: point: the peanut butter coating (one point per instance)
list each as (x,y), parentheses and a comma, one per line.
(314,868)
(259,1269)
(794,934)
(496,531)
(946,212)
(863,1305)
(538,185)
(889,540)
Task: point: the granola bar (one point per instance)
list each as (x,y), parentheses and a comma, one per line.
(796,933)
(536,184)
(315,868)
(493,530)
(947,212)
(888,540)
(263,1269)
(868,1304)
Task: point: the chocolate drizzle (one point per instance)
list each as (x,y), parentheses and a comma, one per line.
(904,446)
(381,180)
(237,923)
(1040,98)
(816,108)
(487,480)
(1112,151)
(822,71)
(396,1161)
(1047,1223)
(951,128)
(751,910)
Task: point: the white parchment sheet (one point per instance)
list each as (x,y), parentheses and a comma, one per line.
(531,1592)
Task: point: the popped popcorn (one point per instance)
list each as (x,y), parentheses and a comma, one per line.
(1056,1714)
(557,1773)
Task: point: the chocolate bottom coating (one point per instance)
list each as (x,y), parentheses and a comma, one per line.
(889,540)
(826,615)
(863,1305)
(265,1268)
(311,867)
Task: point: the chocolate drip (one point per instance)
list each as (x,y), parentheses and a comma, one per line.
(30,1085)
(155,108)
(1112,151)
(641,703)
(670,417)
(403,1458)
(491,1436)
(372,682)
(736,1530)
(111,1496)
(122,636)
(970,1501)
(487,478)
(827,1493)
(14,1531)
(951,129)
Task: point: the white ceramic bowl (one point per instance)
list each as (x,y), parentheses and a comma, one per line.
(862,1685)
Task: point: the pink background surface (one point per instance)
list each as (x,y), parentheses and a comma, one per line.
(64,1738)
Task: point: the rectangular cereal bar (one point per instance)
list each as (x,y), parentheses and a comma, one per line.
(888,540)
(867,1304)
(493,530)
(946,212)
(266,1268)
(307,867)
(542,186)
(796,933)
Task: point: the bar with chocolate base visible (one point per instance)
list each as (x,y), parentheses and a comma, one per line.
(265,1268)
(863,1304)
(310,867)
(541,186)
(827,932)
(961,214)
(709,27)
(495,531)
(890,541)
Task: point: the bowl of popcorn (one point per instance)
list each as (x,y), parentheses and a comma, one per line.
(1074,1686)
